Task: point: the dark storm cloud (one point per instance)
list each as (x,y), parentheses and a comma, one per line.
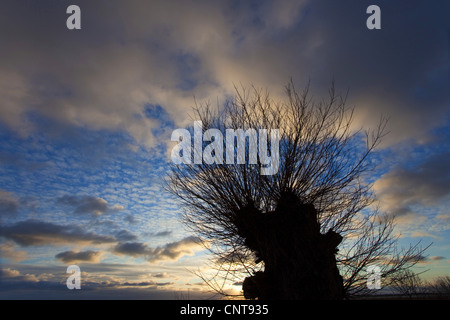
(201,48)
(401,70)
(37,233)
(425,184)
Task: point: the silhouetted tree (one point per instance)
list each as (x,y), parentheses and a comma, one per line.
(441,286)
(307,232)
(408,284)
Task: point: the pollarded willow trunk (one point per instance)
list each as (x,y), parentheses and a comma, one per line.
(299,261)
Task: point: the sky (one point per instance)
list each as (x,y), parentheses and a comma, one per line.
(86,117)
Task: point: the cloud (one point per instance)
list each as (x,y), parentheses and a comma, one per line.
(372,64)
(134,68)
(37,233)
(444,217)
(145,284)
(163,233)
(134,249)
(88,205)
(175,250)
(8,273)
(9,204)
(421,234)
(10,252)
(130,219)
(28,282)
(134,54)
(425,184)
(170,251)
(437,258)
(81,256)
(159,275)
(125,235)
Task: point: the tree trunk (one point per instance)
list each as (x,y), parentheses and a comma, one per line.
(299,261)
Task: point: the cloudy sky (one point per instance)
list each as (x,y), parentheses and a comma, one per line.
(86,117)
